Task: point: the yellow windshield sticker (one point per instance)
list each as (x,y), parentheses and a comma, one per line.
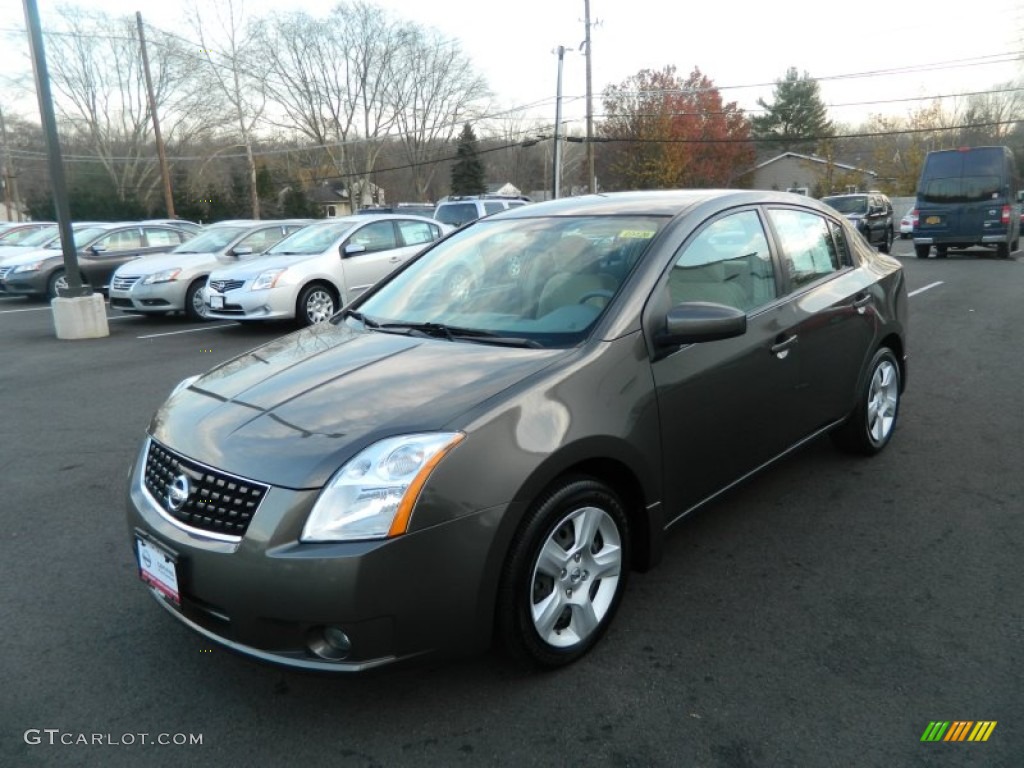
(636,234)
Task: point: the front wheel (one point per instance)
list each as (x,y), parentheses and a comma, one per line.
(565,574)
(195,300)
(886,245)
(316,304)
(870,425)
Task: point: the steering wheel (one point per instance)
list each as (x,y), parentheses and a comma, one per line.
(600,293)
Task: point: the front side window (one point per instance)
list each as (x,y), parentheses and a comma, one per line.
(728,262)
(808,250)
(121,241)
(378,236)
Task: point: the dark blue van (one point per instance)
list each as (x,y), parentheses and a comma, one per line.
(966,197)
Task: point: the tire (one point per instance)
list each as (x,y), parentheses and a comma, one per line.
(886,245)
(870,425)
(558,594)
(1003,250)
(922,251)
(904,236)
(317,304)
(195,303)
(941,251)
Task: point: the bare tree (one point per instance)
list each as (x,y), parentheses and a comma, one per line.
(100,95)
(235,70)
(433,90)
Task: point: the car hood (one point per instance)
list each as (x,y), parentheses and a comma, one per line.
(292,412)
(251,267)
(147,265)
(35,254)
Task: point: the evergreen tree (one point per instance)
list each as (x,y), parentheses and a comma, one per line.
(468,170)
(797,117)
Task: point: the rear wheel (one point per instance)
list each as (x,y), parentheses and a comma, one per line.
(58,283)
(195,300)
(317,304)
(922,251)
(565,574)
(1003,250)
(941,252)
(871,423)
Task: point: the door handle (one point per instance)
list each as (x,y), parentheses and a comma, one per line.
(781,348)
(861,302)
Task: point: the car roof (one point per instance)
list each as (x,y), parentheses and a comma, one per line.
(670,202)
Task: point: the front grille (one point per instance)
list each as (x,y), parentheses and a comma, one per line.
(222,286)
(217,502)
(124,282)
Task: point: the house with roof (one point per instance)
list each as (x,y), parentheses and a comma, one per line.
(335,200)
(808,175)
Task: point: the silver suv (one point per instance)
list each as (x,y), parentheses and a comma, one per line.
(457,211)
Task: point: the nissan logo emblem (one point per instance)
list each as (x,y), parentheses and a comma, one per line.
(177,492)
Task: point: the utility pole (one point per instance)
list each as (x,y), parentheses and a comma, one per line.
(7,175)
(591,178)
(164,172)
(557,172)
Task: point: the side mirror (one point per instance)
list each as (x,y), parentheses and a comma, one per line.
(698,321)
(242,250)
(98,249)
(352,249)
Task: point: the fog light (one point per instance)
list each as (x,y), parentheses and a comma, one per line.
(330,643)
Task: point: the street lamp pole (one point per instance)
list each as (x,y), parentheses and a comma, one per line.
(591,178)
(557,172)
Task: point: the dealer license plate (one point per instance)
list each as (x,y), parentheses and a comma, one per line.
(159,569)
(216,302)
(933,220)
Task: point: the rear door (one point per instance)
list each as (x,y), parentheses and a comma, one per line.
(831,308)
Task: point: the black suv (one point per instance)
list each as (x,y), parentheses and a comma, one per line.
(870,212)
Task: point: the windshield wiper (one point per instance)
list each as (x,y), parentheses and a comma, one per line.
(366,321)
(454,333)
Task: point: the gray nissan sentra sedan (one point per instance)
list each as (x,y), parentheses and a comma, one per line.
(488,442)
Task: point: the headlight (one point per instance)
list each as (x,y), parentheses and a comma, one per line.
(162,277)
(183,384)
(372,496)
(266,279)
(33,267)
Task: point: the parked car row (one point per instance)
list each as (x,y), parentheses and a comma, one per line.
(101,249)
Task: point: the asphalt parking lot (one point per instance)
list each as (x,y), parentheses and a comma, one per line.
(823,614)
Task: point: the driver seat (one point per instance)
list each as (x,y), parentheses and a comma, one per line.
(577,277)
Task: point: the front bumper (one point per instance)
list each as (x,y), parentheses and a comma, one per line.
(276,303)
(268,596)
(26,283)
(156,297)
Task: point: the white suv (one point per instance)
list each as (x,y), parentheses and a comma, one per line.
(457,211)
(313,273)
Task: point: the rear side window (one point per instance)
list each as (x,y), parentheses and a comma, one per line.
(494,207)
(416,232)
(808,250)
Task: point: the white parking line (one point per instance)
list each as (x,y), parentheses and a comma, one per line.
(30,309)
(925,288)
(189,330)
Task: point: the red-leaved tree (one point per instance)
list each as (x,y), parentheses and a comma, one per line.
(660,132)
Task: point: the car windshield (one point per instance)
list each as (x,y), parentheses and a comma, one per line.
(18,236)
(539,282)
(848,204)
(35,238)
(82,236)
(316,238)
(211,240)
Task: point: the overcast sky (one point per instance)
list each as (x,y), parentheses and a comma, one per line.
(929,48)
